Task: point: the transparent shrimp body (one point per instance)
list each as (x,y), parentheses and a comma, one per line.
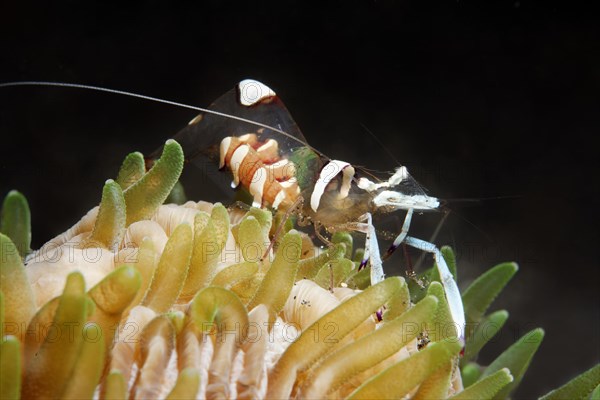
(249,132)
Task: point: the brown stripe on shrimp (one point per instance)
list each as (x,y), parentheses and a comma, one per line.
(258,167)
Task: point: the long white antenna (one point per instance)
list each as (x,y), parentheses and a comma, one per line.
(156,99)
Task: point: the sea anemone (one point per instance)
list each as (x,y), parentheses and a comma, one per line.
(145,300)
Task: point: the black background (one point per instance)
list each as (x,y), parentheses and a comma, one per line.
(478,101)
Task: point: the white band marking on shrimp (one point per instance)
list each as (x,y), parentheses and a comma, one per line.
(248,138)
(257,186)
(252,92)
(269,150)
(390,198)
(348,172)
(225,143)
(370,186)
(286,184)
(196,119)
(279,198)
(236,161)
(330,171)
